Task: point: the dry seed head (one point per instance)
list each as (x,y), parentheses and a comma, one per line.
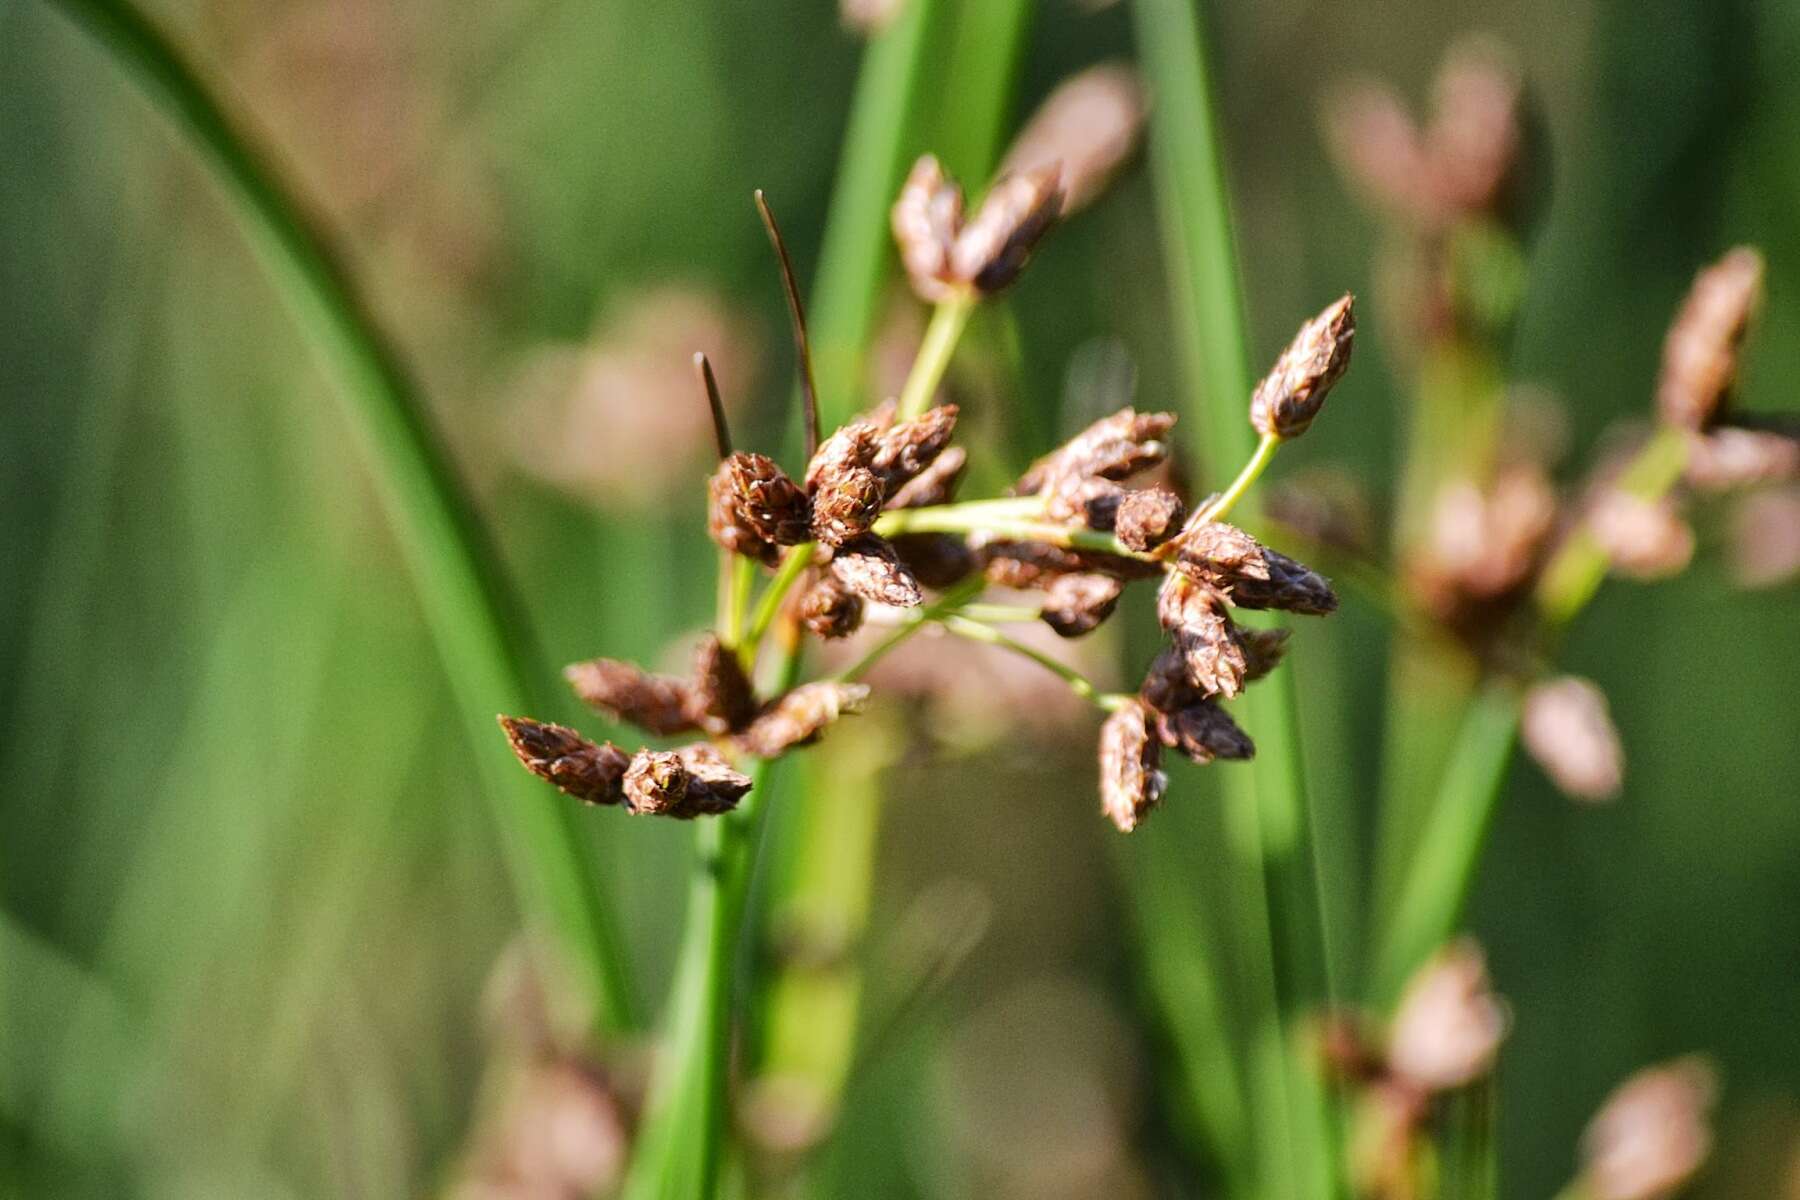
(1250,574)
(589,771)
(1079,604)
(869,567)
(725,522)
(1147,519)
(1204,732)
(1291,394)
(800,717)
(1700,354)
(1029,565)
(1263,650)
(908,448)
(1114,447)
(1568,730)
(721,697)
(1086,129)
(936,484)
(657,704)
(1727,457)
(694,781)
(1449,1025)
(829,609)
(926,219)
(755,507)
(994,247)
(1089,501)
(845,505)
(1212,658)
(936,560)
(853,445)
(1643,539)
(1653,1133)
(1131,781)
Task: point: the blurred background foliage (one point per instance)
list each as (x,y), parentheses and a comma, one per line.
(250,895)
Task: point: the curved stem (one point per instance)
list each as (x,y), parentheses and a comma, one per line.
(473,616)
(1259,462)
(1078,683)
(955,518)
(793,566)
(947,323)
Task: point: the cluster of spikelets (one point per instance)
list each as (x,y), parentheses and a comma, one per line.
(1088,535)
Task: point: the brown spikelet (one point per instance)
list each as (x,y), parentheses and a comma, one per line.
(1147,519)
(1033,564)
(589,771)
(996,244)
(1250,574)
(845,505)
(936,560)
(1653,1133)
(1212,658)
(1114,447)
(800,717)
(851,446)
(1449,1025)
(1131,779)
(754,507)
(1643,539)
(1567,729)
(1475,142)
(657,704)
(721,697)
(725,522)
(936,484)
(1379,149)
(1086,130)
(1291,394)
(926,219)
(1079,603)
(1090,501)
(869,567)
(1700,354)
(1726,457)
(694,781)
(1204,732)
(1263,650)
(909,447)
(829,609)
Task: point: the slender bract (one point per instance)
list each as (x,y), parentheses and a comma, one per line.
(474,618)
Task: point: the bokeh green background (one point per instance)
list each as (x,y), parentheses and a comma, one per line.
(249,890)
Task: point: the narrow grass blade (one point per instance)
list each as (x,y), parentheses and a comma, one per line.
(475,619)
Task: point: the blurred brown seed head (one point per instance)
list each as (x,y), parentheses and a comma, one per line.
(1475,143)
(1203,635)
(721,697)
(561,1131)
(868,17)
(995,245)
(870,568)
(1567,729)
(1652,1134)
(1291,394)
(1379,149)
(590,772)
(1701,352)
(1078,604)
(1204,732)
(1726,457)
(1131,781)
(1148,518)
(1643,539)
(1765,538)
(1086,130)
(800,717)
(1231,562)
(657,704)
(926,219)
(1449,1025)
(830,610)
(1483,547)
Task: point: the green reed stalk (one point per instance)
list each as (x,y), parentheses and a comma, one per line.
(473,616)
(1188,162)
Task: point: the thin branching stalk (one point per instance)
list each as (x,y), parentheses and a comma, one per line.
(476,621)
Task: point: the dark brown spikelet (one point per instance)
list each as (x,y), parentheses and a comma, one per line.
(869,567)
(908,448)
(1227,559)
(926,218)
(800,717)
(694,781)
(1263,650)
(589,771)
(1166,687)
(1212,657)
(1291,394)
(1090,501)
(996,244)
(1204,732)
(829,609)
(1114,447)
(1079,603)
(657,704)
(1131,779)
(1700,354)
(936,560)
(721,697)
(936,484)
(1147,519)
(725,522)
(754,507)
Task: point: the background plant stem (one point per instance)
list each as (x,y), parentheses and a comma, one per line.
(476,621)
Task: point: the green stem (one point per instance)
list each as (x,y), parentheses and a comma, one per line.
(1259,462)
(955,518)
(1002,614)
(793,566)
(1442,867)
(948,321)
(1078,683)
(473,616)
(911,623)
